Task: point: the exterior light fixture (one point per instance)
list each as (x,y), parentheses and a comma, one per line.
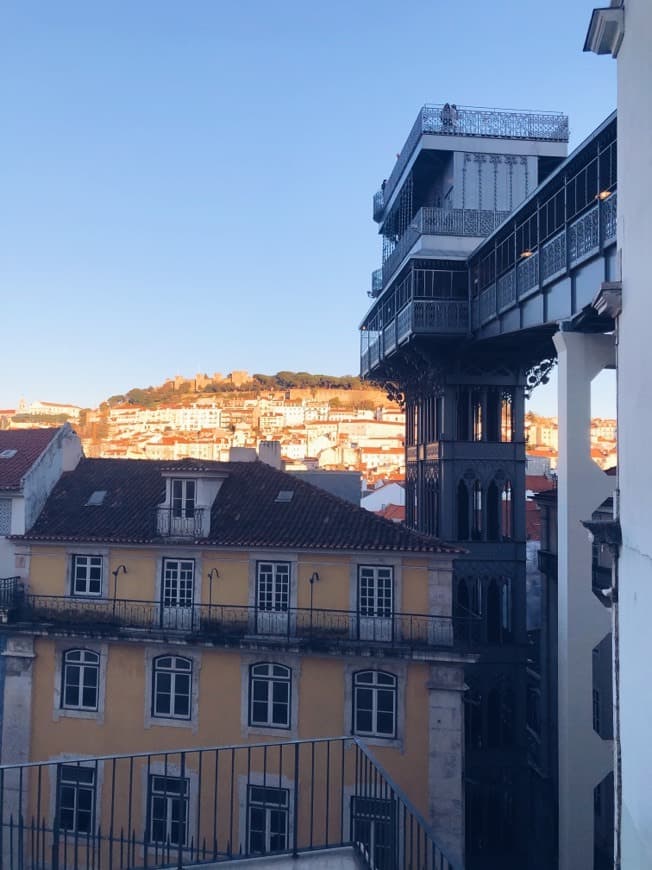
(213,574)
(526,253)
(604,194)
(115,573)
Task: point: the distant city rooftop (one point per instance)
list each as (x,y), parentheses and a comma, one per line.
(475,121)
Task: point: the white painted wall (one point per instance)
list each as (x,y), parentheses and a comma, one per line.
(62,454)
(634,422)
(584,758)
(377,499)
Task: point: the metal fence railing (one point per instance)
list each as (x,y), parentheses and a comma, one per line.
(206,805)
(227,622)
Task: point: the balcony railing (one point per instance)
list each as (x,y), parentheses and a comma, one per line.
(472,121)
(459,221)
(471,222)
(229,623)
(201,806)
(170,522)
(376,282)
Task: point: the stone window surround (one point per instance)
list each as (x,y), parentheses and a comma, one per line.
(60,648)
(288,660)
(154,652)
(376,560)
(87,761)
(85,550)
(257,556)
(173,770)
(258,779)
(398,670)
(187,555)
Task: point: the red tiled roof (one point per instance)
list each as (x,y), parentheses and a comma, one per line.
(28,444)
(393,512)
(538,482)
(245,512)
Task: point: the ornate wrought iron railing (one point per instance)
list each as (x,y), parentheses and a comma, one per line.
(232,623)
(472,121)
(459,221)
(201,806)
(170,522)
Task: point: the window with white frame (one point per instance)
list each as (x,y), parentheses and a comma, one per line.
(375,590)
(87,575)
(269,695)
(76,798)
(80,679)
(273,586)
(5,516)
(183,498)
(172,687)
(374,829)
(374,704)
(178,582)
(168,810)
(268,813)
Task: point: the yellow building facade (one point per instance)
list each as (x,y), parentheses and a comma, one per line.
(183,606)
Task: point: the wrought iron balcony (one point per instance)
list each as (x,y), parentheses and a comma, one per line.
(473,121)
(172,523)
(228,623)
(431,221)
(201,806)
(547,563)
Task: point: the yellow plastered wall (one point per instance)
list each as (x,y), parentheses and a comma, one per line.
(323,684)
(50,569)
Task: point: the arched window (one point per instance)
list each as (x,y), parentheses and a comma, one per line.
(171,687)
(507,511)
(80,679)
(462,511)
(493,612)
(374,704)
(473,731)
(476,530)
(493,512)
(269,695)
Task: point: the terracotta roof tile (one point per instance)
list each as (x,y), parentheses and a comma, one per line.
(245,513)
(28,444)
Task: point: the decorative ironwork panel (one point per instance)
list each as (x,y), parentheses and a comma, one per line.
(374,352)
(389,337)
(436,316)
(404,323)
(553,256)
(583,236)
(398,253)
(488,303)
(507,289)
(609,215)
(528,273)
(494,123)
(459,221)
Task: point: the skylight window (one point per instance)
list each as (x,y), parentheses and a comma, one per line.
(284,496)
(9,453)
(97,498)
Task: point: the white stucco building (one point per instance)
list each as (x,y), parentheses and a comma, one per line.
(624,30)
(31,462)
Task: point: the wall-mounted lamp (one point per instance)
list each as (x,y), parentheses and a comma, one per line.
(115,573)
(526,253)
(604,194)
(314,578)
(213,574)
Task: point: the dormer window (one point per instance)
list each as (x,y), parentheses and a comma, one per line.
(190,491)
(183,499)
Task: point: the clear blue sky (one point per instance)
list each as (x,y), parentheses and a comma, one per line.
(186,186)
